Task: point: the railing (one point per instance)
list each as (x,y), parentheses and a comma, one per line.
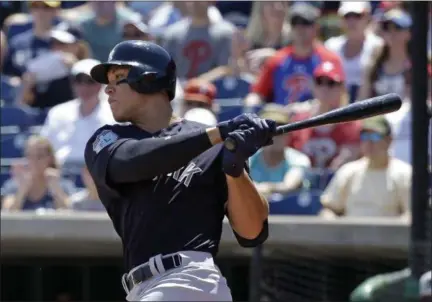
(92,234)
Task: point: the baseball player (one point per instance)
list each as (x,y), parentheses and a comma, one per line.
(167,183)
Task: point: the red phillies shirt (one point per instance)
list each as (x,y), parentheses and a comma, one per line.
(323,144)
(285,78)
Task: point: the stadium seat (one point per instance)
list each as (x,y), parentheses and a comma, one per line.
(12,145)
(13,116)
(4,174)
(303,202)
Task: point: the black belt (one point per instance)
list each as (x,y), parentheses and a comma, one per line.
(144,273)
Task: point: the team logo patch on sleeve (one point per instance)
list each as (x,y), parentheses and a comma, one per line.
(105,138)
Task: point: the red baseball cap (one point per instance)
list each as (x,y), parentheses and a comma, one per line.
(199,90)
(330,70)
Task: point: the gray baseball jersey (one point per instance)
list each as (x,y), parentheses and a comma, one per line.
(197,50)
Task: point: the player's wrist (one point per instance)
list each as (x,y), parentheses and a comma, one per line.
(214,135)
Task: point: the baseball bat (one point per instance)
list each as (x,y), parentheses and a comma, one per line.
(359,110)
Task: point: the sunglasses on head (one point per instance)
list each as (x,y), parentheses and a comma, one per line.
(83,79)
(387,26)
(371,137)
(325,81)
(353,16)
(301,21)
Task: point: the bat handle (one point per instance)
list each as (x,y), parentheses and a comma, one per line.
(230,144)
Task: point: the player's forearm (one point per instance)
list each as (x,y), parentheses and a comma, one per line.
(247,209)
(140,160)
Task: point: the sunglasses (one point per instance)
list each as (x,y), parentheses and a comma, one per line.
(371,137)
(324,81)
(387,26)
(353,16)
(301,21)
(134,36)
(83,79)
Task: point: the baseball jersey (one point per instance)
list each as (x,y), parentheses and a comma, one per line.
(197,50)
(322,144)
(285,78)
(182,210)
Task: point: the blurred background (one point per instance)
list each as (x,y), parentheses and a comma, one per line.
(350,204)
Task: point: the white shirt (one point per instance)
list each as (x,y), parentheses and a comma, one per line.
(69,132)
(359,191)
(354,67)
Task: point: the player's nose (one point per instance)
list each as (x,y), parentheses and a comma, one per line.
(109,89)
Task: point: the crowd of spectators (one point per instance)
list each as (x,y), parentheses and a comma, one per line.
(286,61)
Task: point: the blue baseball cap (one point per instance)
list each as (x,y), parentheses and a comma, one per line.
(398,17)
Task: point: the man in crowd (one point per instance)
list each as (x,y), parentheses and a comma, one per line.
(377,185)
(30,44)
(286,77)
(104,28)
(198,101)
(69,125)
(197,44)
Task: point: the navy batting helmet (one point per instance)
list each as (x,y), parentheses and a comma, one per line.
(151,67)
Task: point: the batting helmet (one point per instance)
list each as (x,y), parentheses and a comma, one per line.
(151,67)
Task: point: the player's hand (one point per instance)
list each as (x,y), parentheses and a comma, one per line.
(248,141)
(250,120)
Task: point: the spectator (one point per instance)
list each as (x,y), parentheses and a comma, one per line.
(198,44)
(277,168)
(88,198)
(37,184)
(425,287)
(170,12)
(199,93)
(287,76)
(46,82)
(377,185)
(136,30)
(268,26)
(9,85)
(32,43)
(386,73)
(357,46)
(104,28)
(233,80)
(328,146)
(401,122)
(69,126)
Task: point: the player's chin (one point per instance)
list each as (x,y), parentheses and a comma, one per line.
(119,117)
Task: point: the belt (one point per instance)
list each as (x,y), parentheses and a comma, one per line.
(155,266)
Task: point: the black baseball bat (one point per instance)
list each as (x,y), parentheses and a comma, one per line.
(359,110)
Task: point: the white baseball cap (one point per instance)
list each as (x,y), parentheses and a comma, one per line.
(201,115)
(425,284)
(84,66)
(347,7)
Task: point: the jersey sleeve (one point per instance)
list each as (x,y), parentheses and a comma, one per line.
(264,83)
(99,150)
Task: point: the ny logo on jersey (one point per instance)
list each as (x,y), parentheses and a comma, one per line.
(183,175)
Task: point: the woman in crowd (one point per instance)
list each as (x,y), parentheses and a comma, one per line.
(328,146)
(386,73)
(268,26)
(37,184)
(277,168)
(357,45)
